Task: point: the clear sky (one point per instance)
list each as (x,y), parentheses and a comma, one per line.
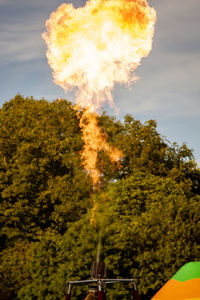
(169,86)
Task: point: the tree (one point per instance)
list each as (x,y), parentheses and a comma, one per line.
(149,229)
(14,271)
(157,229)
(147,210)
(42,182)
(145,150)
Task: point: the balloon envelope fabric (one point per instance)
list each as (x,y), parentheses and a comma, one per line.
(185,284)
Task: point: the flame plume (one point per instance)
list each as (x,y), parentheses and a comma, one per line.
(95,141)
(92,48)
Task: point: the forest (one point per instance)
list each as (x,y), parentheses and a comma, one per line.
(147,210)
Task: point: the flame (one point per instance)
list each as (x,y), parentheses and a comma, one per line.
(93,214)
(95,141)
(89,50)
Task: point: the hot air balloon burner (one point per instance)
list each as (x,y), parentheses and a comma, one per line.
(98,282)
(98,270)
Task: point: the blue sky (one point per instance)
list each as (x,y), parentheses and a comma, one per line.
(169,86)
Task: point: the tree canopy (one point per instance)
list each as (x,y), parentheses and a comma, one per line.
(147,210)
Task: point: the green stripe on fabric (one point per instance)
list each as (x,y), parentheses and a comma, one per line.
(189,271)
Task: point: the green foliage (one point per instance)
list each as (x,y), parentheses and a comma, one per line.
(42,183)
(159,235)
(147,211)
(145,150)
(14,271)
(142,146)
(149,229)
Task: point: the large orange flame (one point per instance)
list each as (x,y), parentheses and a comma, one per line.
(92,48)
